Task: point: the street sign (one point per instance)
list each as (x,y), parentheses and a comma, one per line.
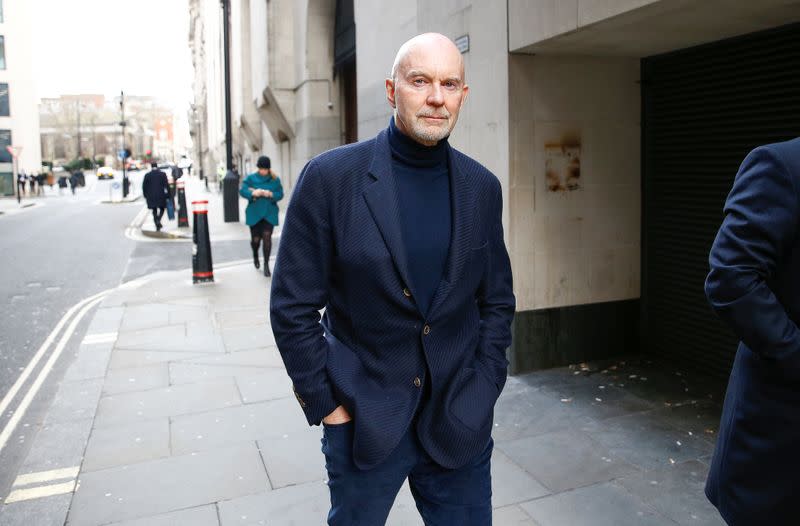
(115,185)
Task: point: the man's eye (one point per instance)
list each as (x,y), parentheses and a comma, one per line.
(419,82)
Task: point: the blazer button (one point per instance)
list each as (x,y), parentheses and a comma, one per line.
(406,292)
(417,382)
(426,330)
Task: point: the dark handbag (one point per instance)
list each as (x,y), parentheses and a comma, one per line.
(170,209)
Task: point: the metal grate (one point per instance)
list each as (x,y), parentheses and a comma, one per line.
(703,110)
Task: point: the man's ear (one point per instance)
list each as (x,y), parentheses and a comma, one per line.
(390,93)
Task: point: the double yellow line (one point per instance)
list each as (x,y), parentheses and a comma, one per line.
(82,308)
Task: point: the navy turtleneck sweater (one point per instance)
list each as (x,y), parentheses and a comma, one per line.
(423,186)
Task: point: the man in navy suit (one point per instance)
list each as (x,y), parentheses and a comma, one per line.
(400,239)
(754,285)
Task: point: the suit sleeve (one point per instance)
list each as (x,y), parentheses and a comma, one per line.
(758,231)
(496,300)
(300,288)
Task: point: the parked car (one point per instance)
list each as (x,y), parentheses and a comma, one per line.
(106,172)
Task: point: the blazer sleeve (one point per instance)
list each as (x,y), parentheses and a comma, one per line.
(496,300)
(300,288)
(758,230)
(245,191)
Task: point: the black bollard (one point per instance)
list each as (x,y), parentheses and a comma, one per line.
(202,268)
(183,214)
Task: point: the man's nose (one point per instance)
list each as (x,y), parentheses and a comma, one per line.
(436,96)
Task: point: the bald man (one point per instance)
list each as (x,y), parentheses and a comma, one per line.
(399,238)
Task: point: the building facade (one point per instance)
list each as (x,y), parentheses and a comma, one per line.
(19,116)
(615,129)
(88,126)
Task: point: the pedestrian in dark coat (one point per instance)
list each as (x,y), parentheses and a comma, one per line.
(754,286)
(155,189)
(73,181)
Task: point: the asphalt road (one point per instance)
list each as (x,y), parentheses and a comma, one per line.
(54,255)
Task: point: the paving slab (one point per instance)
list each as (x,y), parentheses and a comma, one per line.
(168,401)
(89,363)
(239,339)
(184,373)
(294,457)
(267,356)
(511,484)
(677,492)
(529,412)
(200,516)
(58,445)
(511,516)
(46,511)
(248,422)
(605,504)
(127,444)
(647,440)
(255,319)
(184,337)
(162,486)
(121,359)
(267,385)
(75,401)
(565,459)
(145,316)
(132,379)
(106,319)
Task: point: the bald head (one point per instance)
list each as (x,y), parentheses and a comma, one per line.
(427,45)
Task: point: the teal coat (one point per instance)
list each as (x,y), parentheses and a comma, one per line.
(259,208)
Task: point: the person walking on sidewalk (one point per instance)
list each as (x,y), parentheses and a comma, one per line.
(73,181)
(400,239)
(754,286)
(262,190)
(155,189)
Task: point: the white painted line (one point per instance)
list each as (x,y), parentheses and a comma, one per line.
(38,356)
(46,476)
(40,492)
(99,337)
(48,366)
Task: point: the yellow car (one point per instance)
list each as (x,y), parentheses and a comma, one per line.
(105,172)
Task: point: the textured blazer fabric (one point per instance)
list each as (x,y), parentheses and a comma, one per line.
(754,285)
(373,351)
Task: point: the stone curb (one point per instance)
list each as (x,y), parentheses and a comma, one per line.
(123,201)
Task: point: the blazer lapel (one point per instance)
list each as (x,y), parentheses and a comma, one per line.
(382,200)
(461,199)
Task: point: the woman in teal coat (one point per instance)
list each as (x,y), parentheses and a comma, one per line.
(262,190)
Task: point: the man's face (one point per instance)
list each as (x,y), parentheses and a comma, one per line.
(428,90)
(263,172)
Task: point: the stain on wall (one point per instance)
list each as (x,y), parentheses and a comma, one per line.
(562,165)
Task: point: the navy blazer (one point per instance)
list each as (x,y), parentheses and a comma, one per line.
(754,285)
(341,249)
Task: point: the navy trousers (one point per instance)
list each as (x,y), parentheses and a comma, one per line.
(444,497)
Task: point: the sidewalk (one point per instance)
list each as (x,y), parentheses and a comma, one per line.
(177,411)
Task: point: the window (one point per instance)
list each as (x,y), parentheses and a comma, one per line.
(2,51)
(4,106)
(5,140)
(1,12)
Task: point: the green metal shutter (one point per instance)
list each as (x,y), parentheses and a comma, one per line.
(703,110)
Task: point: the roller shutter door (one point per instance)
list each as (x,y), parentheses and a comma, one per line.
(703,110)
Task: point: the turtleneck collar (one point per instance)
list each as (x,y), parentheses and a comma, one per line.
(410,152)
